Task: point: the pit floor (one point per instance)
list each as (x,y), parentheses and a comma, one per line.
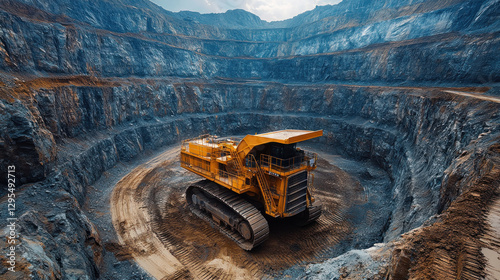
(155,229)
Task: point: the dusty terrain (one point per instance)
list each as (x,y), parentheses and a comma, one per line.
(407,93)
(462,242)
(392,173)
(157,230)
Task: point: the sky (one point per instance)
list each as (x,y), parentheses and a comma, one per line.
(270,10)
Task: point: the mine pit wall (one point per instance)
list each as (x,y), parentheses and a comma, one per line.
(417,54)
(414,134)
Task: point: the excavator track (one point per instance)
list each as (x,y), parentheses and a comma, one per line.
(253,229)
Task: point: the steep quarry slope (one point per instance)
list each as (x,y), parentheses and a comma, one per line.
(420,42)
(410,86)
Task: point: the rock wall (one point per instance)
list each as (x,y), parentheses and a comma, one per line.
(82,91)
(431,43)
(414,134)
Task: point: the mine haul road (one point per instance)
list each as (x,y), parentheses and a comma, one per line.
(132,222)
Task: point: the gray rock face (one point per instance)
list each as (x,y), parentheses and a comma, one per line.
(59,242)
(384,125)
(387,126)
(87,84)
(421,42)
(24,141)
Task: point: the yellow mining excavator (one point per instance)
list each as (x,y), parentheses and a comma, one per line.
(262,173)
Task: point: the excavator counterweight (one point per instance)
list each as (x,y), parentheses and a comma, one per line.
(262,173)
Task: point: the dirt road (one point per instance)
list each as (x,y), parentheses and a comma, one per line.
(132,222)
(474,95)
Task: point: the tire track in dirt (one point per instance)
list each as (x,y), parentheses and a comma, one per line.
(154,224)
(132,223)
(491,242)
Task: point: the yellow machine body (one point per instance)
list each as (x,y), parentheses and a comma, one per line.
(266,167)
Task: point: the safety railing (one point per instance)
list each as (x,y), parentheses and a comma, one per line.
(310,183)
(271,163)
(201,140)
(266,192)
(204,167)
(229,178)
(196,163)
(219,145)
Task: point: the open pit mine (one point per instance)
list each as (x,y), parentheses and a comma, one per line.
(97,98)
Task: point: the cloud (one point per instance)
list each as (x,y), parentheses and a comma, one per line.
(269,10)
(202,6)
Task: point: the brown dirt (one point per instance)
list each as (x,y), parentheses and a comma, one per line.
(26,88)
(78,80)
(132,223)
(491,242)
(162,223)
(454,246)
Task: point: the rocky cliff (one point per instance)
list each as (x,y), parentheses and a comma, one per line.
(420,42)
(407,85)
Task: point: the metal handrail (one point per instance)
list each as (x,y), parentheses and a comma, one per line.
(210,139)
(231,177)
(185,142)
(266,192)
(310,183)
(279,164)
